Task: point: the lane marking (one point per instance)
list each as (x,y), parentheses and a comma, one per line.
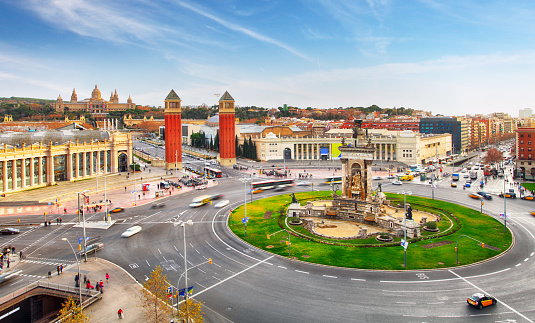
(230,277)
(159,251)
(526,259)
(282,267)
(426,291)
(406,302)
(358,279)
(531,254)
(147,262)
(175,248)
(518,265)
(473,285)
(302,272)
(328,276)
(441,280)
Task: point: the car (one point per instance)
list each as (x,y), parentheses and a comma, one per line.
(466,176)
(453,184)
(217,196)
(485,195)
(391,177)
(529,198)
(221,204)
(157,206)
(532,213)
(481,300)
(131,231)
(303,183)
(117,210)
(200,187)
(377,178)
(397,183)
(463,170)
(92,248)
(257,191)
(475,196)
(9,231)
(467,184)
(508,195)
(469,181)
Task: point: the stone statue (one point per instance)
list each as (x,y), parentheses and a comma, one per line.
(356,182)
(357,126)
(294,200)
(409,212)
(379,188)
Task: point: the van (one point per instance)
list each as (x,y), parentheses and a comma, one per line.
(164,185)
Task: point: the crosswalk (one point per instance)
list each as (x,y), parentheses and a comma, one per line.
(49,262)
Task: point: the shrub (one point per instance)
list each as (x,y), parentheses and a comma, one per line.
(431,225)
(384,235)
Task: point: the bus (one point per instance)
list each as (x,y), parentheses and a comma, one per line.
(201,200)
(333,180)
(273,184)
(213,172)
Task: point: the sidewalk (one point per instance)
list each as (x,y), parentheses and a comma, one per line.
(122,291)
(119,191)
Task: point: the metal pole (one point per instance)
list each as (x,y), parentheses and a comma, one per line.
(185,264)
(78,207)
(97,183)
(134,174)
(289,245)
(245,217)
(79,278)
(106,200)
(504,202)
(83,224)
(405,232)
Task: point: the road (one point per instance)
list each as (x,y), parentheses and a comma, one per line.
(246,284)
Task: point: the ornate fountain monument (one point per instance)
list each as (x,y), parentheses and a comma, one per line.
(357,202)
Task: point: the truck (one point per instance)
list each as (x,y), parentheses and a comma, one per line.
(405,177)
(473,175)
(455,177)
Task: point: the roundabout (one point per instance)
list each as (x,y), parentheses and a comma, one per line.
(334,242)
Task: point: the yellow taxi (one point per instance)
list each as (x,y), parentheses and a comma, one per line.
(481,300)
(532,213)
(475,196)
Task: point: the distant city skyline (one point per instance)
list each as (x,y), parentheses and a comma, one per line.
(451,59)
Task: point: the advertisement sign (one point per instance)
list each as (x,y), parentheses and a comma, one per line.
(335,152)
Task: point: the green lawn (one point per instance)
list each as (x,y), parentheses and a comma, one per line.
(529,186)
(368,253)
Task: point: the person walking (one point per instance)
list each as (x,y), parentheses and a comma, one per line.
(107,278)
(61,269)
(57,270)
(13,251)
(120,314)
(8,262)
(20,254)
(101,285)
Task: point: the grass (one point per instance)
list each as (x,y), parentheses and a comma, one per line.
(369,253)
(529,186)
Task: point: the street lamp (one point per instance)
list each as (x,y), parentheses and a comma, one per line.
(83,219)
(183,225)
(405,224)
(245,180)
(79,280)
(504,201)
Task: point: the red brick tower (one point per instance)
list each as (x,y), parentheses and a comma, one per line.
(227,133)
(173,131)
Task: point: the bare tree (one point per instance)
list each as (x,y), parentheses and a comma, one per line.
(154,297)
(493,156)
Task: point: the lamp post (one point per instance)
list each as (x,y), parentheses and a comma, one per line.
(83,219)
(245,201)
(183,225)
(77,263)
(405,225)
(289,242)
(504,202)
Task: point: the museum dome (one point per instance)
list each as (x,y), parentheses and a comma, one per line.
(96,94)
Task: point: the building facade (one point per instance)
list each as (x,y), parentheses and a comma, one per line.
(44,163)
(457,127)
(227,131)
(525,152)
(173,131)
(95,105)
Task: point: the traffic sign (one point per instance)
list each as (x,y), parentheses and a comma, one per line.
(245,220)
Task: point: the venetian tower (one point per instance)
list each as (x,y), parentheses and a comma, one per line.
(227,132)
(173,131)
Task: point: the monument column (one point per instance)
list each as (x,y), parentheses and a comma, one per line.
(173,131)
(227,131)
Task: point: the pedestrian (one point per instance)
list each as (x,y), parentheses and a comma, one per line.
(76,279)
(61,268)
(97,288)
(57,220)
(65,210)
(57,268)
(60,220)
(49,223)
(120,314)
(85,279)
(13,251)
(125,188)
(107,278)
(20,254)
(101,284)
(8,262)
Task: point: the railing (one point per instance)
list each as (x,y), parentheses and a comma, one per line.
(90,296)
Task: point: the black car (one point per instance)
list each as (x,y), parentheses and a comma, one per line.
(9,231)
(480,300)
(485,195)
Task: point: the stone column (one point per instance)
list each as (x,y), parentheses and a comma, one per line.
(344,184)
(40,170)
(84,163)
(23,172)
(98,161)
(14,175)
(392,152)
(380,151)
(69,165)
(50,169)
(4,174)
(91,164)
(31,171)
(374,151)
(105,161)
(114,159)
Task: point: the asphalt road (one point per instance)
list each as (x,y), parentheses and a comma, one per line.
(245,284)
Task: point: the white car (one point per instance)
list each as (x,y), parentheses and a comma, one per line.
(221,204)
(377,178)
(131,231)
(303,183)
(397,183)
(200,187)
(196,204)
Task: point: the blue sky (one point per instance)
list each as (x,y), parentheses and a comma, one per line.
(448,57)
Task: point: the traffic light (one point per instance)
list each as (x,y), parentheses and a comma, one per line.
(210,261)
(455,249)
(80,247)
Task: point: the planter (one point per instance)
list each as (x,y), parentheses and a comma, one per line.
(295,223)
(431,230)
(389,239)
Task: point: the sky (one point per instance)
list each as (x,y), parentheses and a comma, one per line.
(447,57)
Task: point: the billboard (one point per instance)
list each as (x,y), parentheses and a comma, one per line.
(335,152)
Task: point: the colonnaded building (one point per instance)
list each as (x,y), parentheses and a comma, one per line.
(95,104)
(42,158)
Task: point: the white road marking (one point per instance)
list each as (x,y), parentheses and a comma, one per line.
(358,279)
(202,271)
(480,314)
(531,254)
(147,262)
(502,303)
(282,267)
(159,251)
(329,276)
(440,280)
(406,302)
(175,248)
(526,259)
(518,265)
(435,303)
(146,278)
(302,272)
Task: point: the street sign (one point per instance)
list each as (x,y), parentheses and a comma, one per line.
(508,215)
(404,243)
(245,220)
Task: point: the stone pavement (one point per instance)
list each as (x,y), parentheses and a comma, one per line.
(122,291)
(116,187)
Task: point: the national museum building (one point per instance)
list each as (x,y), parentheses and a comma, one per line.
(95,105)
(36,159)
